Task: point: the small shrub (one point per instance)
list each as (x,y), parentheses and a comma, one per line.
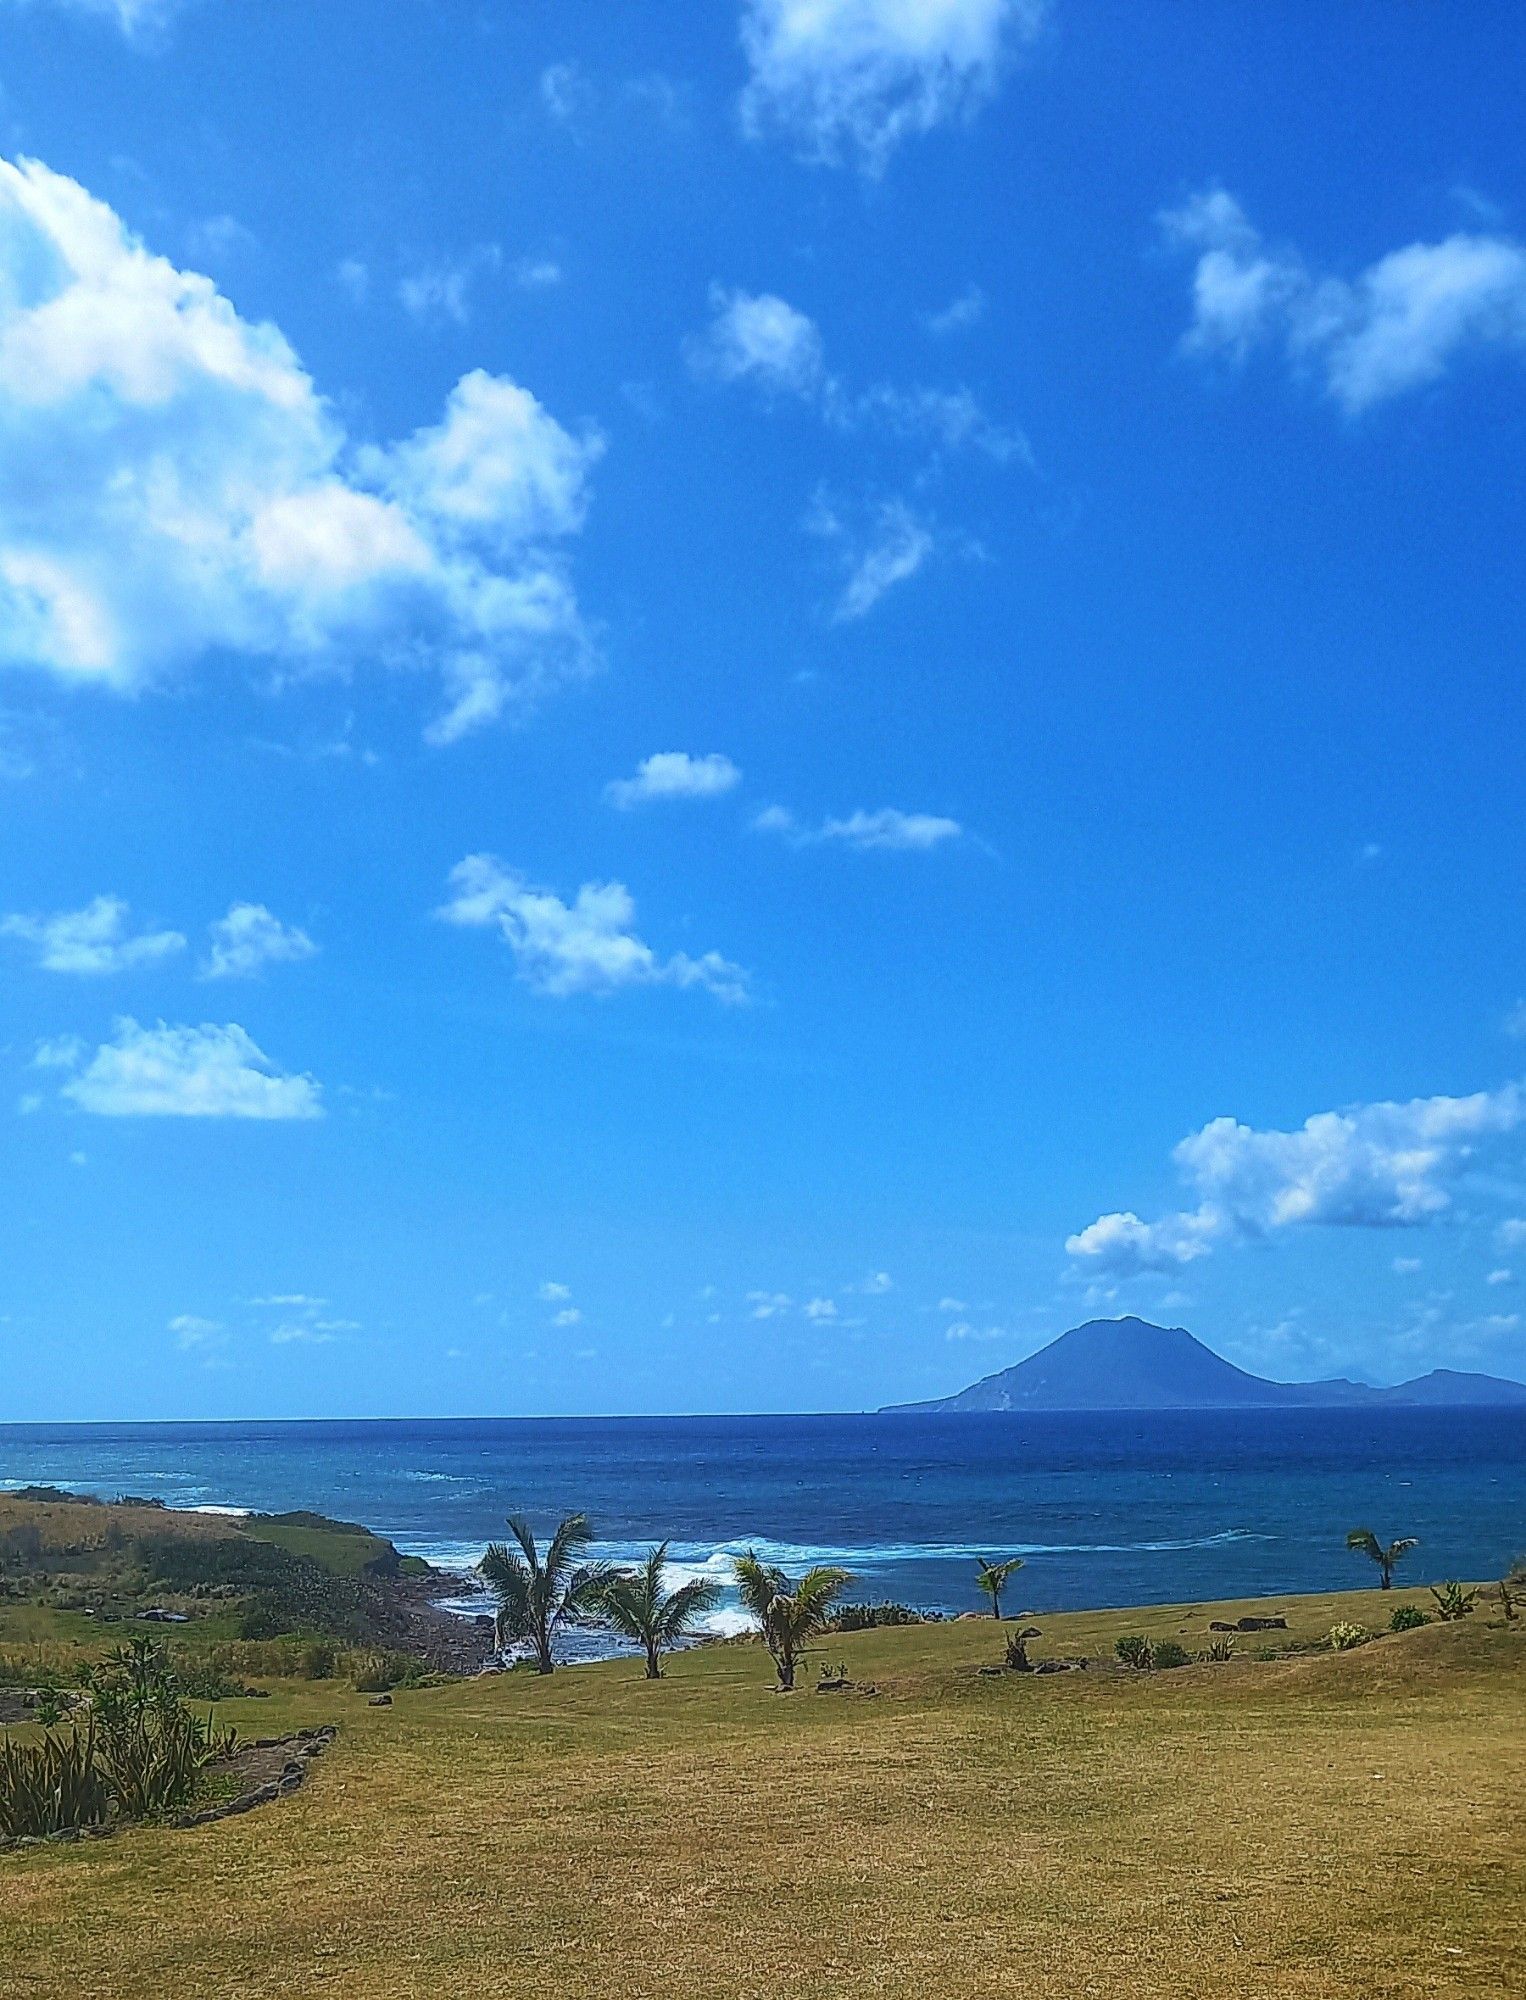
(1220,1647)
(51,1787)
(48,1707)
(1135,1651)
(1510,1601)
(1169,1654)
(864,1617)
(320,1659)
(1015,1654)
(1343,1638)
(1407,1618)
(1453,1602)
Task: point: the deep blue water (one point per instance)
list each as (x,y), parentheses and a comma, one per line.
(1105,1509)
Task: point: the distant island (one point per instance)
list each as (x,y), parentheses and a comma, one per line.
(1129,1364)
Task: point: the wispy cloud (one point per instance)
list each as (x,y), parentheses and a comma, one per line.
(91,942)
(589,945)
(887,828)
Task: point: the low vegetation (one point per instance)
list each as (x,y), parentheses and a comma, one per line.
(1320,1825)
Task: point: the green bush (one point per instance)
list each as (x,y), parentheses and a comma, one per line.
(320,1659)
(51,1786)
(1407,1618)
(1344,1637)
(864,1617)
(1169,1654)
(1135,1651)
(1453,1602)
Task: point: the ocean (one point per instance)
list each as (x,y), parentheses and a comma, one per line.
(1104,1509)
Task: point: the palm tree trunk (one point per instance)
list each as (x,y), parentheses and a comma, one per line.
(1388,1575)
(653,1666)
(996,1604)
(786,1665)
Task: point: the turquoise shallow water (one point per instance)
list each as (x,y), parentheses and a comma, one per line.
(1105,1509)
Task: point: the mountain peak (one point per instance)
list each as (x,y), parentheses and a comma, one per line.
(1132,1364)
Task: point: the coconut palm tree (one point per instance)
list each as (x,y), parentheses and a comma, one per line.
(789,1613)
(993,1579)
(1362,1541)
(538,1595)
(636,1603)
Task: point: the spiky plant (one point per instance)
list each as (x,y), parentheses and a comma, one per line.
(1363,1542)
(637,1603)
(789,1613)
(992,1579)
(537,1595)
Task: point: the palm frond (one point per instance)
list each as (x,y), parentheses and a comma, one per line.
(758,1583)
(507,1576)
(522,1532)
(580,1600)
(1363,1542)
(1402,1547)
(815,1594)
(678,1612)
(572,1536)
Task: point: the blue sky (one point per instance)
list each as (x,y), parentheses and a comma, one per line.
(738,709)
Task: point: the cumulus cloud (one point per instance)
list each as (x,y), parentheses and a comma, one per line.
(92,941)
(760,338)
(1372,1166)
(886,828)
(172,485)
(248,939)
(1399,324)
(847,80)
(587,946)
(965,310)
(174,1072)
(674,774)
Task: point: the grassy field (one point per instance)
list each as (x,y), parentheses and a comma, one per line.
(1319,1825)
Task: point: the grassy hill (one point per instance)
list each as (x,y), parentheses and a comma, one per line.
(1316,1825)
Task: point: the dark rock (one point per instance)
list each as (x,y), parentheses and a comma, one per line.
(1221,1625)
(380,1701)
(1262,1625)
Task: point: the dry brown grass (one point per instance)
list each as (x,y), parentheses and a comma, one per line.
(1329,1825)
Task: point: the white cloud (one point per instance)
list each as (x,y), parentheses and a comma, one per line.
(171,1072)
(172,484)
(887,827)
(248,939)
(1511,1234)
(1406,1267)
(135,18)
(1396,326)
(768,1305)
(92,941)
(442,291)
(876,1285)
(849,79)
(586,946)
(191,1331)
(820,1310)
(760,338)
(957,1306)
(967,309)
(553,1293)
(1371,1166)
(889,550)
(964,1329)
(674,774)
(1501,1277)
(565,92)
(1515,1022)
(568,1316)
(304,1332)
(537,274)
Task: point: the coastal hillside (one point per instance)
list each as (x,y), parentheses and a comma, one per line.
(1131,1364)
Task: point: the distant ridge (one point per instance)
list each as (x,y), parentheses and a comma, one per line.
(1129,1364)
